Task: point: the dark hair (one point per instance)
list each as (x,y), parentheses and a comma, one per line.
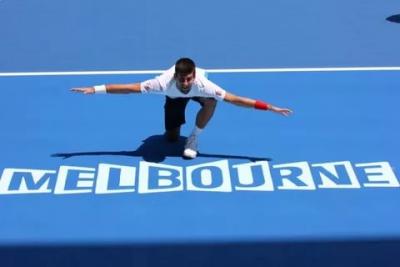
(184,66)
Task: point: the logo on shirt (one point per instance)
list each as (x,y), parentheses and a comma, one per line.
(147,87)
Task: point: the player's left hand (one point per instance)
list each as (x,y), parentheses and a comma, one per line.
(283,111)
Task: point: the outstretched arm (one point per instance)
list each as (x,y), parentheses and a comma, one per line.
(251,103)
(109,89)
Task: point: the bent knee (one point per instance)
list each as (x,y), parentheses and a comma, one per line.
(172,135)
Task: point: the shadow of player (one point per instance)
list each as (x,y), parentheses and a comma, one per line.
(156,149)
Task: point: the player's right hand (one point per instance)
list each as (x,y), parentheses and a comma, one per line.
(84,90)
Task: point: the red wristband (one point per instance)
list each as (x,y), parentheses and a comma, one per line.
(261,105)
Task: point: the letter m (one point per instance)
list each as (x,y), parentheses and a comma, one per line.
(26,181)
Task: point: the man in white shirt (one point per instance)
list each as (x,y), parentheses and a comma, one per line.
(181,83)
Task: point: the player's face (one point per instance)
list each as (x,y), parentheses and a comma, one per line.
(185,82)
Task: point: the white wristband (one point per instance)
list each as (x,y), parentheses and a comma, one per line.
(100,89)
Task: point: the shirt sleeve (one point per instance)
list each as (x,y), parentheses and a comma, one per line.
(158,84)
(210,89)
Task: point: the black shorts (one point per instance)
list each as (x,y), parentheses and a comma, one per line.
(174,110)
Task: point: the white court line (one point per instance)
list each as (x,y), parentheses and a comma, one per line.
(255,70)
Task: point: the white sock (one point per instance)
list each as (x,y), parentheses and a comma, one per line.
(196,131)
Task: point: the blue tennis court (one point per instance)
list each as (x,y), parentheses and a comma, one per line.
(90,180)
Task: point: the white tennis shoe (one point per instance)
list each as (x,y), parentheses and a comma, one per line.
(190,147)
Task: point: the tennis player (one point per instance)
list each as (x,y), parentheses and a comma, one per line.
(179,84)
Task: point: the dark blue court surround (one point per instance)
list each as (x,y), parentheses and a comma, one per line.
(151,34)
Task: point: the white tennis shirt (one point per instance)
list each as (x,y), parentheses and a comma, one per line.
(165,84)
